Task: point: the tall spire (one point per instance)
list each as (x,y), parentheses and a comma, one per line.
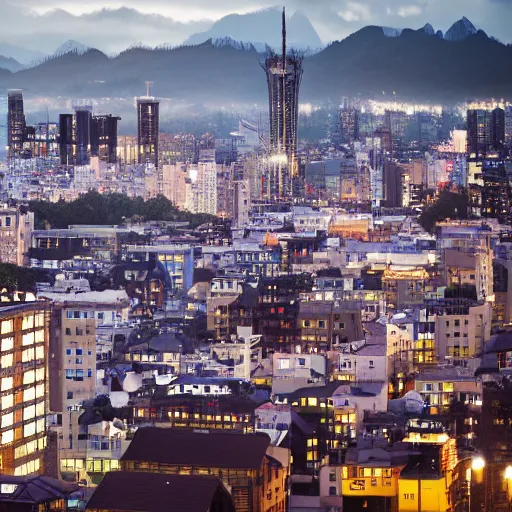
(284,38)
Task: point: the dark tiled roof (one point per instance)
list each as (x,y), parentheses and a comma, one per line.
(326,391)
(36,489)
(219,449)
(148,492)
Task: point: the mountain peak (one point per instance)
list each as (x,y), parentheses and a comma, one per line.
(71,46)
(460,30)
(260,28)
(429,30)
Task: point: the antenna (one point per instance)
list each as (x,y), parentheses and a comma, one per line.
(284,38)
(148,88)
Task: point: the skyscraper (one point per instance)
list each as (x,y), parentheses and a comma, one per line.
(104,137)
(284,75)
(66,139)
(83,116)
(15,123)
(349,124)
(486,131)
(147,130)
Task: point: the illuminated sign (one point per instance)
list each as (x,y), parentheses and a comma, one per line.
(357,485)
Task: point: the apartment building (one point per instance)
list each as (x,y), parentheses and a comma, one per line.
(73,361)
(24,380)
(16,226)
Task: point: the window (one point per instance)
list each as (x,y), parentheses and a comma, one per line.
(457,323)
(68,351)
(302,361)
(371,364)
(332,490)
(332,477)
(79,351)
(284,364)
(321,324)
(7,222)
(68,331)
(70,395)
(89,373)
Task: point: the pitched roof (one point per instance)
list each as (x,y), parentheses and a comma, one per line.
(147,492)
(220,449)
(36,489)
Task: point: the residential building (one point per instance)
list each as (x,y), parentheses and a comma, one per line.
(24,384)
(29,493)
(73,359)
(16,226)
(255,471)
(123,491)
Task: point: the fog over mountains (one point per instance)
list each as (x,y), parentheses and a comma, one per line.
(422,64)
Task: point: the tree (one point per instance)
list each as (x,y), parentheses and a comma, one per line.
(449,205)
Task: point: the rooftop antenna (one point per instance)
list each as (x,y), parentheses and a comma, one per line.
(148,88)
(284,38)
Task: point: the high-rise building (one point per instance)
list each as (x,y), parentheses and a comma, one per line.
(349,125)
(66,139)
(24,338)
(104,137)
(392,180)
(147,130)
(508,126)
(486,131)
(207,182)
(83,120)
(15,123)
(284,76)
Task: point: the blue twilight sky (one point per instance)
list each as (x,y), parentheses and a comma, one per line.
(114,25)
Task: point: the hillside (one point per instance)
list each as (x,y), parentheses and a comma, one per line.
(415,64)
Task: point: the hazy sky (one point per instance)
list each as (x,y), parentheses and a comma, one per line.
(112,26)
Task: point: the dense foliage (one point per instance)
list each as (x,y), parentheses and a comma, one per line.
(449,205)
(110,209)
(14,278)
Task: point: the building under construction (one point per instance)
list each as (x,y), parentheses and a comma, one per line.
(147,129)
(284,75)
(16,125)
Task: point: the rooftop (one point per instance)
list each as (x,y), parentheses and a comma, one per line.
(202,448)
(147,492)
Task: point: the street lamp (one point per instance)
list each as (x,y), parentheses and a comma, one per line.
(478,463)
(508,479)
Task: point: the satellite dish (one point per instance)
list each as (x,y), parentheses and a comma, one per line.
(132,382)
(119,398)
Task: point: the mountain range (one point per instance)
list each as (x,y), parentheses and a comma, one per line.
(421,64)
(262,28)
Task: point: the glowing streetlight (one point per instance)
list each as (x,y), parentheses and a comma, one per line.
(508,473)
(478,463)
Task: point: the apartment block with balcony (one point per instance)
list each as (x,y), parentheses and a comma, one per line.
(24,379)
(73,362)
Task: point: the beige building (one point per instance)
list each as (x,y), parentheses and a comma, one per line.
(471,266)
(461,332)
(16,229)
(73,359)
(174,179)
(24,331)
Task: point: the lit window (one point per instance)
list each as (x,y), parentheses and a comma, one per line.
(6,383)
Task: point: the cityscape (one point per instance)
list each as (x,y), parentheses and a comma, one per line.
(211,301)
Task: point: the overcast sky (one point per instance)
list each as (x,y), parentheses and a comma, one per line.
(45,24)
